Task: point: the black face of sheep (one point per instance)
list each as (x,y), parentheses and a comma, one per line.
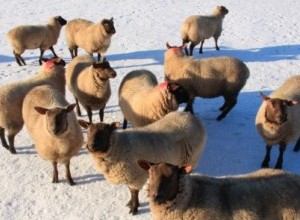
(163,180)
(181,95)
(223,10)
(276,109)
(61,20)
(103,70)
(98,135)
(108,25)
(56,118)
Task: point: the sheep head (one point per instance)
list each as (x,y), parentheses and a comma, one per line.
(60,20)
(177,50)
(180,93)
(56,118)
(103,70)
(163,180)
(221,11)
(98,135)
(276,109)
(108,25)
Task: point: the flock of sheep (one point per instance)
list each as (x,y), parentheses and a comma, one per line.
(163,144)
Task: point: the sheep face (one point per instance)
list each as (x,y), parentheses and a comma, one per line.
(103,70)
(56,119)
(175,50)
(98,135)
(221,10)
(108,25)
(60,20)
(163,180)
(181,95)
(276,109)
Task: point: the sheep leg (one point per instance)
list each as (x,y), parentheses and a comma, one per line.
(192,46)
(78,111)
(201,46)
(185,49)
(282,148)
(101,114)
(125,123)
(229,106)
(52,50)
(19,59)
(68,174)
(2,136)
(55,172)
(133,203)
(11,142)
(216,43)
(265,163)
(189,106)
(71,52)
(41,56)
(89,112)
(297,146)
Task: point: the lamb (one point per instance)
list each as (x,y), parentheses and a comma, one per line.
(197,28)
(35,36)
(265,194)
(53,126)
(92,37)
(278,118)
(161,98)
(12,96)
(207,78)
(179,138)
(89,82)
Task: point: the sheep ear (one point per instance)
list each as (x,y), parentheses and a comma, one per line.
(186,169)
(115,125)
(168,45)
(144,164)
(264,97)
(84,123)
(41,110)
(70,107)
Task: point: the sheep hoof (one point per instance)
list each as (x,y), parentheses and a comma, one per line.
(133,210)
(265,164)
(72,183)
(278,166)
(220,117)
(12,150)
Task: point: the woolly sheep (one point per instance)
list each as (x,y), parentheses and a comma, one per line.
(92,37)
(35,36)
(206,78)
(265,194)
(12,96)
(179,138)
(278,118)
(197,28)
(89,83)
(52,125)
(161,98)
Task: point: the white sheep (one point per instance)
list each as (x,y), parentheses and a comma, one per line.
(179,138)
(265,194)
(142,100)
(206,78)
(53,126)
(197,28)
(35,36)
(92,37)
(89,83)
(12,96)
(278,118)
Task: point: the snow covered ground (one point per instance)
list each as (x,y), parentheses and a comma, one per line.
(264,34)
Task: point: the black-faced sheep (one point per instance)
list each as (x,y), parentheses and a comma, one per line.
(206,78)
(179,138)
(160,98)
(35,36)
(278,118)
(53,126)
(92,37)
(89,82)
(265,194)
(197,28)
(12,96)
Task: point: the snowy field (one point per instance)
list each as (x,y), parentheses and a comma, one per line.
(264,34)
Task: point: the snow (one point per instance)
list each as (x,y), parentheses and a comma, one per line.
(264,34)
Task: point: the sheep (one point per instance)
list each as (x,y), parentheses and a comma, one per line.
(52,124)
(197,28)
(12,96)
(278,119)
(89,82)
(265,194)
(207,78)
(179,138)
(35,36)
(161,98)
(92,37)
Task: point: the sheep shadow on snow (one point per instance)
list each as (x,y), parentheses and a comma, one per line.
(233,144)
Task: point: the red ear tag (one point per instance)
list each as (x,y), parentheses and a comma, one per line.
(49,64)
(163,85)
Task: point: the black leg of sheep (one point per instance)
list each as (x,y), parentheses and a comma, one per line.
(265,163)
(297,146)
(282,148)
